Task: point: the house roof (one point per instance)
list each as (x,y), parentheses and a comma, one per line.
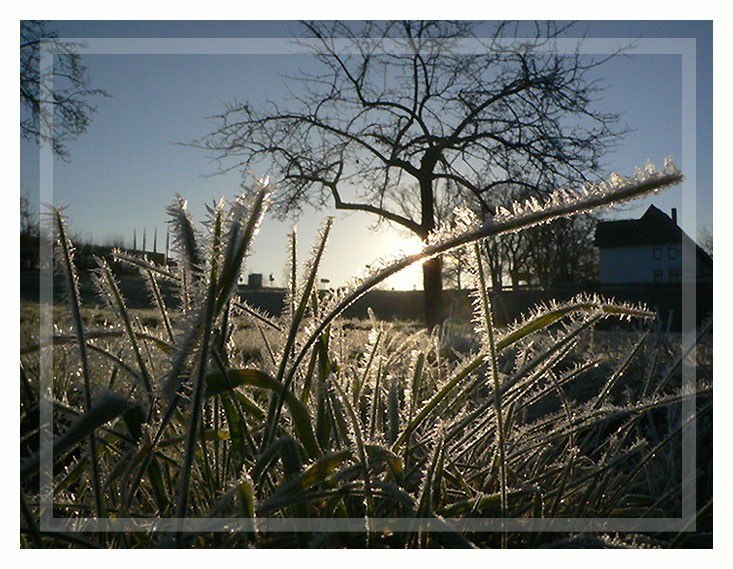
(653,228)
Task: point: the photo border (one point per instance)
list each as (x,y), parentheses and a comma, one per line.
(684,47)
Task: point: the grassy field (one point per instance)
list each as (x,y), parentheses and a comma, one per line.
(565,459)
(389,434)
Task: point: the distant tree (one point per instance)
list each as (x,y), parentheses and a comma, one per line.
(454,269)
(72,90)
(561,253)
(509,257)
(388,133)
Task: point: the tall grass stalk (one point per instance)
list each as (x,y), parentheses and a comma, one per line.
(199,380)
(65,255)
(487,325)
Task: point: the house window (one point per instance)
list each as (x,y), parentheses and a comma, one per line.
(674,276)
(672,252)
(658,275)
(657,252)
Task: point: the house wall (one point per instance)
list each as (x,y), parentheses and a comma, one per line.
(632,265)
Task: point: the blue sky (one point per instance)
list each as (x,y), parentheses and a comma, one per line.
(124,170)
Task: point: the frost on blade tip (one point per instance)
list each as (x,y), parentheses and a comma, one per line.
(615,190)
(241,225)
(212,238)
(318,249)
(185,236)
(64,254)
(558,203)
(291,280)
(554,311)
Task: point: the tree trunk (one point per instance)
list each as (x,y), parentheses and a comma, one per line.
(432,270)
(492,250)
(432,279)
(515,280)
(496,280)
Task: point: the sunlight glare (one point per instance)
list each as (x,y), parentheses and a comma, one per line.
(411,277)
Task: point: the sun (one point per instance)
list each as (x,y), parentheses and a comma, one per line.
(411,277)
(406,245)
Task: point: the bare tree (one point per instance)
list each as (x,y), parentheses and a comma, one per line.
(389,132)
(71,93)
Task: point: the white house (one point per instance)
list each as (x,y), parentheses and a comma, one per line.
(650,250)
